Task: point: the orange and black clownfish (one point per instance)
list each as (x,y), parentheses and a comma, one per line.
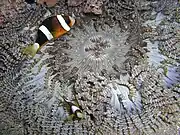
(51,28)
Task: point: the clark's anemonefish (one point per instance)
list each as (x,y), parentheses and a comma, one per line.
(74,111)
(51,28)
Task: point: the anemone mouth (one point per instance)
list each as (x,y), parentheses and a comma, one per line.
(97,51)
(93,50)
(97,46)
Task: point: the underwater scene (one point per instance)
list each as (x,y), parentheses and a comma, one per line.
(89,67)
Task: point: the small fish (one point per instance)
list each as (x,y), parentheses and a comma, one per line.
(74,111)
(51,28)
(49,3)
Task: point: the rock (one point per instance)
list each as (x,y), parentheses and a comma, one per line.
(49,3)
(75,2)
(93,6)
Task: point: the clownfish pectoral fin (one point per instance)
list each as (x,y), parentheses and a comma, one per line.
(31,49)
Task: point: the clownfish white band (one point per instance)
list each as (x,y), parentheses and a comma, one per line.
(74,108)
(63,22)
(46,32)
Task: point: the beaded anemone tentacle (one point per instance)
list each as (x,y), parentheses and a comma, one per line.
(94,100)
(163,47)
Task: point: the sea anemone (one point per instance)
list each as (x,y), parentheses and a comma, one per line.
(125,97)
(92,57)
(95,51)
(91,50)
(171,76)
(162,48)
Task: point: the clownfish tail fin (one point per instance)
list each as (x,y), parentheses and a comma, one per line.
(31,49)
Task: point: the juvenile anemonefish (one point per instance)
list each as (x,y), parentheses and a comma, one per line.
(74,111)
(49,3)
(51,28)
